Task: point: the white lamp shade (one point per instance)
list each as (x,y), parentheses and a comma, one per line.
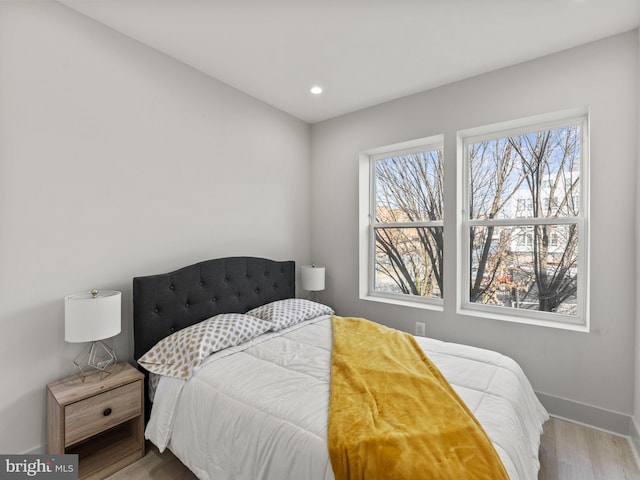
(89,317)
(312,278)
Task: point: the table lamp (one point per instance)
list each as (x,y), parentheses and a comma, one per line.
(92,317)
(312,279)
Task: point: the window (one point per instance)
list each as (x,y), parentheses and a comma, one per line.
(524,222)
(517,245)
(404,231)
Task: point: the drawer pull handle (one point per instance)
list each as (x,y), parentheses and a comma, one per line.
(107,412)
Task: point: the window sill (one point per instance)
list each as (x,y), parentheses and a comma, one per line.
(404,303)
(492,315)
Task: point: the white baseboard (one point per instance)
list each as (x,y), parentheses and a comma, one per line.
(634,439)
(602,419)
(39,450)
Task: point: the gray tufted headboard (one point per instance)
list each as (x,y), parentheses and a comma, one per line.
(166,303)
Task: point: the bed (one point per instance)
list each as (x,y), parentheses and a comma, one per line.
(257,408)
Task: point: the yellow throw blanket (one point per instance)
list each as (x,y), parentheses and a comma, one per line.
(393,415)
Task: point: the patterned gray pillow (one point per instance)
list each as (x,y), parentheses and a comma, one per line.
(179,354)
(284,313)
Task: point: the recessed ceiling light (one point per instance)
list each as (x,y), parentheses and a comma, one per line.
(316,90)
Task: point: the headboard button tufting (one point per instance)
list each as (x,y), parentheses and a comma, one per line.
(162,303)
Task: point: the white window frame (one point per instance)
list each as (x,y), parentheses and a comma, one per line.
(579,322)
(367,181)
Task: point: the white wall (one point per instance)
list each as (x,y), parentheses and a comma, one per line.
(594,371)
(635,430)
(116,161)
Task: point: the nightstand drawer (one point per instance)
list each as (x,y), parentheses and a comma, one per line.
(100,412)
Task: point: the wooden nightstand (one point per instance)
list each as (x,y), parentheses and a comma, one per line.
(100,420)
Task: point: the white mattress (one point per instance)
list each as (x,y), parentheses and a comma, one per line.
(259,411)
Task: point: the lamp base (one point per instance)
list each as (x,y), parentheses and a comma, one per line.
(314,296)
(95,357)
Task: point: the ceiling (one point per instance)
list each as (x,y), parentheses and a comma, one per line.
(362,52)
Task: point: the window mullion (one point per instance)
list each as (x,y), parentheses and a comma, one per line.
(435,223)
(515,222)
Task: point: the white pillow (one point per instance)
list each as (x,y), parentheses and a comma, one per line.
(179,354)
(284,313)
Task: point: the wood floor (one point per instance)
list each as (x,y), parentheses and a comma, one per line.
(568,452)
(573,452)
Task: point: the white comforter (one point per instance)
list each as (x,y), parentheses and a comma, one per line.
(259,411)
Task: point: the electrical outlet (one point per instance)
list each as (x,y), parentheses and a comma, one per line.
(420,329)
